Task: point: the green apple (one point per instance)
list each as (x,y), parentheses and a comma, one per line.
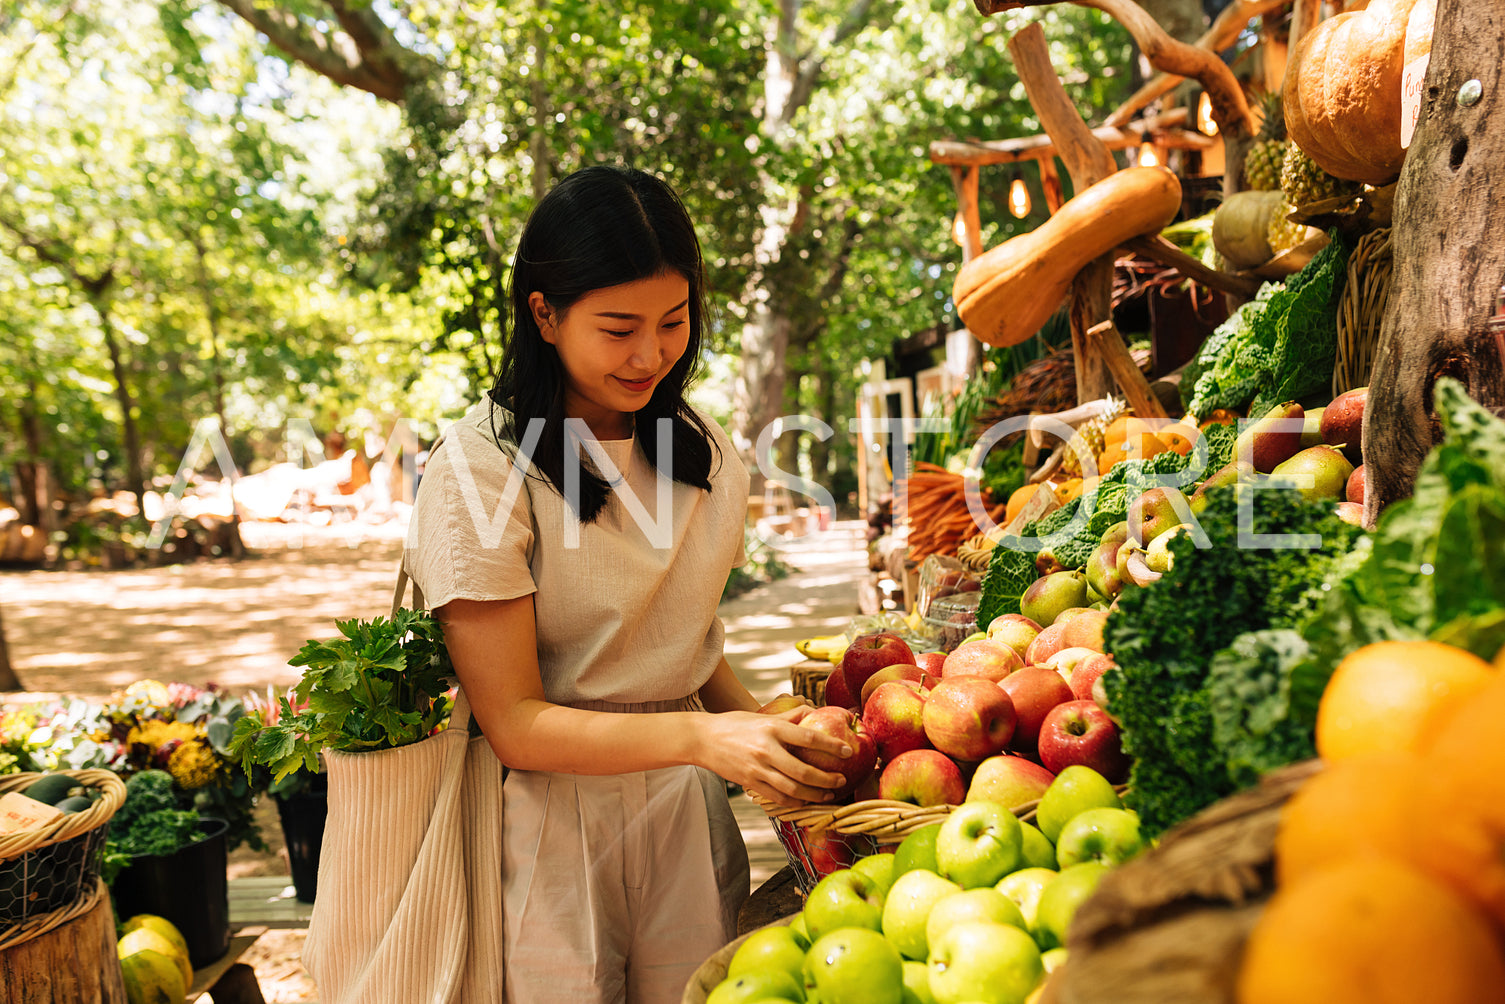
(843,898)
(979,843)
(908,907)
(1076,789)
(1024,887)
(1036,851)
(1061,897)
(757,985)
(971,905)
(1107,835)
(801,935)
(854,966)
(983,963)
(878,867)
(1053,959)
(917,850)
(917,983)
(769,948)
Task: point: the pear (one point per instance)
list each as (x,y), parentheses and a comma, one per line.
(1102,568)
(1273,439)
(1117,533)
(1048,596)
(1311,427)
(1158,555)
(1155,512)
(1320,472)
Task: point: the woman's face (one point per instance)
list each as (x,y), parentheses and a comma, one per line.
(616,344)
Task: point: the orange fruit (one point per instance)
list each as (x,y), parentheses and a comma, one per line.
(1381,695)
(1017,501)
(1371,931)
(1122,427)
(1068,489)
(1179,436)
(1138,446)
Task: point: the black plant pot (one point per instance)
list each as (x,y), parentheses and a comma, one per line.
(188,887)
(303,816)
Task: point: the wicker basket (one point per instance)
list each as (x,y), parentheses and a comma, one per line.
(1361,310)
(808,679)
(821,839)
(713,970)
(47,871)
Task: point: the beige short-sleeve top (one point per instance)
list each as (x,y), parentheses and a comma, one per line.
(625,607)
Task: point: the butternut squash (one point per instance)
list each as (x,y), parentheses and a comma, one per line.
(1342,96)
(1005,294)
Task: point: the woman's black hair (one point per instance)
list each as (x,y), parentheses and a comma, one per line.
(601,227)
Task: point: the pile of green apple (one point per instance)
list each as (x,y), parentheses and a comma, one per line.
(972,910)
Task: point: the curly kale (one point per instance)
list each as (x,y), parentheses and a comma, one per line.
(152,819)
(1167,637)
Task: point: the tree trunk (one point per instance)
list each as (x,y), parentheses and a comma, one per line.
(74,963)
(760,373)
(8,678)
(1449,247)
(131,440)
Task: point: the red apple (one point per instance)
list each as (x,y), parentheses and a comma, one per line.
(890,674)
(969,717)
(1086,673)
(1010,781)
(922,777)
(1035,690)
(1080,732)
(1014,630)
(783,703)
(827,851)
(1067,660)
(837,694)
(895,717)
(869,653)
(1046,644)
(1086,630)
(840,724)
(867,790)
(992,660)
(931,662)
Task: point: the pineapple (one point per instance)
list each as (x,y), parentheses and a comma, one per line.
(1088,439)
(1303,182)
(1262,163)
(1283,233)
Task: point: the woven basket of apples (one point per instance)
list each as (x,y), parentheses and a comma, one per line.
(939,730)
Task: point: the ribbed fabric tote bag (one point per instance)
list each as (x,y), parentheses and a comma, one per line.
(409,909)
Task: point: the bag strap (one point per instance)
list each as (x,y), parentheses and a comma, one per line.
(459,715)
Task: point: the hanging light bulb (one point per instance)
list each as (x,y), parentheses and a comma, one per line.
(1147,155)
(1019,203)
(1205,123)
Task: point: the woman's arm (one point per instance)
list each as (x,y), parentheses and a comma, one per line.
(724,692)
(494,649)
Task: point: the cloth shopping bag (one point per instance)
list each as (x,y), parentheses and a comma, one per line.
(409,909)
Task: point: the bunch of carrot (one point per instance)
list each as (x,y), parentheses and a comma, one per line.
(938,517)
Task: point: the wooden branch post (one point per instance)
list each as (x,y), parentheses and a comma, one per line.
(1088,161)
(1449,246)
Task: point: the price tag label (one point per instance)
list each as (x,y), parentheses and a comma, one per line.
(1412,80)
(18,812)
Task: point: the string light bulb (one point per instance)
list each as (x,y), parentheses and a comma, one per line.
(1147,155)
(1019,202)
(1206,125)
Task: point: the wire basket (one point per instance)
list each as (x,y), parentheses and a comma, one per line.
(54,866)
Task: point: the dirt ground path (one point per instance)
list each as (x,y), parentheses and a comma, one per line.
(235,624)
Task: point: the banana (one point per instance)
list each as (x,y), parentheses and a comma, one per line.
(823,648)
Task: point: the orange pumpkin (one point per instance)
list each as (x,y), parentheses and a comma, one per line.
(1343,96)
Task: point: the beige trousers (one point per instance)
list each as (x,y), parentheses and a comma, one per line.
(617,888)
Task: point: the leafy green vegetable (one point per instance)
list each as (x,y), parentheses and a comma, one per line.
(149,821)
(1260,719)
(1279,346)
(1165,639)
(1010,572)
(383,684)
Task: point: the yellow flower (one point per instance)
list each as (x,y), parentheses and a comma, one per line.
(154,732)
(194,765)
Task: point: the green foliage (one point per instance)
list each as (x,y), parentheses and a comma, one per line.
(150,821)
(1279,346)
(1166,637)
(382,684)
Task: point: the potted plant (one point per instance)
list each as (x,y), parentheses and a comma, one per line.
(302,796)
(382,683)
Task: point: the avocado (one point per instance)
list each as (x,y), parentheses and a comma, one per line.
(75,803)
(50,788)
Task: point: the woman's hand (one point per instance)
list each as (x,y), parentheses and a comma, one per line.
(753,750)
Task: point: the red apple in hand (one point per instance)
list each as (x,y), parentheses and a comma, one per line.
(869,653)
(922,777)
(783,703)
(1086,673)
(895,718)
(1080,732)
(992,660)
(840,723)
(969,717)
(1035,690)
